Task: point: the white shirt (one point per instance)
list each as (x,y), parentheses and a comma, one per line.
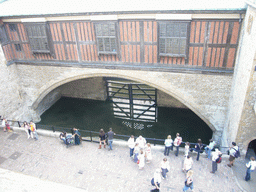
(211,145)
(157,177)
(136,149)
(177,141)
(165,165)
(215,155)
(252,164)
(131,143)
(188,163)
(232,151)
(168,142)
(141,141)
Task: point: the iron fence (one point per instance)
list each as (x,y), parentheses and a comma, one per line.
(93,136)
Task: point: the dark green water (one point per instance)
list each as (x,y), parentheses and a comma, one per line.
(94,115)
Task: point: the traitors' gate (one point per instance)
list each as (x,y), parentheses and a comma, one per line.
(136,103)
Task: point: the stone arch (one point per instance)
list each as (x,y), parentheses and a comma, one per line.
(246,144)
(51,85)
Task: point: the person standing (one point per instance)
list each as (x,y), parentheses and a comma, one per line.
(187,145)
(177,142)
(77,136)
(198,148)
(27,129)
(251,165)
(141,141)
(4,124)
(141,159)
(33,129)
(110,135)
(131,145)
(168,145)
(148,153)
(102,138)
(156,180)
(136,152)
(8,127)
(216,158)
(232,154)
(165,166)
(188,163)
(189,181)
(209,148)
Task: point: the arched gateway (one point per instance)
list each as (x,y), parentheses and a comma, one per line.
(158,81)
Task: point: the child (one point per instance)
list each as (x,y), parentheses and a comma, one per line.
(148,153)
(136,152)
(187,148)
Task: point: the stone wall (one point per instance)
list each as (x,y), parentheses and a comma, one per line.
(12,103)
(240,123)
(91,88)
(206,95)
(94,88)
(247,132)
(165,100)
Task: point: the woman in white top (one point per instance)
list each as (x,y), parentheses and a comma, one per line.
(251,165)
(168,145)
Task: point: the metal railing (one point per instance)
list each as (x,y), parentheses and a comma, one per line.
(93,136)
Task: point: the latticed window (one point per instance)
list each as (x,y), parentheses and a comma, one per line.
(173,39)
(106,37)
(17,47)
(12,27)
(38,38)
(3,36)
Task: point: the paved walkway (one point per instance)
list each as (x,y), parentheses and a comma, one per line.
(28,165)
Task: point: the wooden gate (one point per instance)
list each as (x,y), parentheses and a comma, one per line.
(132,101)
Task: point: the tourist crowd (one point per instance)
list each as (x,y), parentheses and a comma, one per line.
(140,152)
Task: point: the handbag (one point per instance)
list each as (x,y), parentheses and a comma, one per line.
(138,162)
(188,185)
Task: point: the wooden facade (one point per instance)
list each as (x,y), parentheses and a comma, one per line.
(210,43)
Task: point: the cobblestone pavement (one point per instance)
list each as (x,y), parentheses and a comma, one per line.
(92,169)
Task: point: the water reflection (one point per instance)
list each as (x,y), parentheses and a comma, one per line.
(95,115)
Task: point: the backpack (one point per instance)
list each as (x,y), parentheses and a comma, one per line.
(218,160)
(237,153)
(32,128)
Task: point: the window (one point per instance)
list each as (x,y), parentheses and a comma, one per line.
(38,38)
(3,36)
(106,38)
(17,47)
(173,39)
(12,27)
